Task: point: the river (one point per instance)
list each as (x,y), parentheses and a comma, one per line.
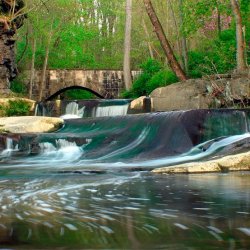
(89,185)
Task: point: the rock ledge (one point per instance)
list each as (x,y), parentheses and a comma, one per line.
(239,162)
(30,124)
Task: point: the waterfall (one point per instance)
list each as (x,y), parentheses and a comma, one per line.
(44,109)
(72,108)
(106,108)
(40,110)
(83,108)
(61,151)
(148,140)
(36,110)
(72,111)
(112,110)
(9,147)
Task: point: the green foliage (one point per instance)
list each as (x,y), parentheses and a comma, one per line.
(151,66)
(17,108)
(79,94)
(153,76)
(17,86)
(90,34)
(161,79)
(217,56)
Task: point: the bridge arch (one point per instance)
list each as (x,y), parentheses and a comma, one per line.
(103,83)
(60,91)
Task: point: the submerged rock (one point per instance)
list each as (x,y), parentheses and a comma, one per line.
(239,162)
(30,124)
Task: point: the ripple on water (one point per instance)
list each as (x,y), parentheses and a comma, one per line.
(108,209)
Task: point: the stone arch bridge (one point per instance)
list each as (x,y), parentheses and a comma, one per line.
(103,83)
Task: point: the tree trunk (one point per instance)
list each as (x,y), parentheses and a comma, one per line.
(241,60)
(148,37)
(45,63)
(184,53)
(172,61)
(183,39)
(43,77)
(32,70)
(219,21)
(127,46)
(179,44)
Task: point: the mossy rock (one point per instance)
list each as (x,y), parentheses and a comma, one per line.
(16,107)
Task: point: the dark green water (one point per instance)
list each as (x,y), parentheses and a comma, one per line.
(125,211)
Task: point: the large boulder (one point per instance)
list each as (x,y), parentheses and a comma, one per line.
(239,162)
(180,96)
(140,105)
(202,94)
(30,124)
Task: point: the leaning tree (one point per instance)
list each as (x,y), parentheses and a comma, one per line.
(172,61)
(12,16)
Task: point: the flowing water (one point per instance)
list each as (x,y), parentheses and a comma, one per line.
(83,108)
(88,185)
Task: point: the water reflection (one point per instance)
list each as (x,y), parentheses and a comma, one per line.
(125,211)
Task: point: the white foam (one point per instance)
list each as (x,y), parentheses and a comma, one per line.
(72,111)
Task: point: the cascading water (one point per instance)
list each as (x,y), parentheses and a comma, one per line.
(72,189)
(73,111)
(112,110)
(149,140)
(9,147)
(84,108)
(44,109)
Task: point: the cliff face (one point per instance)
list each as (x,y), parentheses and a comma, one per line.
(9,24)
(8,69)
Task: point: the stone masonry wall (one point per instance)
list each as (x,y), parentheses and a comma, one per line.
(107,83)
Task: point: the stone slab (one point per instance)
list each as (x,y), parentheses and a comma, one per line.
(30,124)
(238,162)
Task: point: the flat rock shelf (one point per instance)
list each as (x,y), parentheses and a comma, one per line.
(239,162)
(30,124)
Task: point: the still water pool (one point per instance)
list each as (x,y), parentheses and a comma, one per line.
(125,210)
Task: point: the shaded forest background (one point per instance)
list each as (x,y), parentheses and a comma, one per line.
(89,34)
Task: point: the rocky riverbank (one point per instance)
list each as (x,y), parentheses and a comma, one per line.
(29,124)
(217,91)
(238,162)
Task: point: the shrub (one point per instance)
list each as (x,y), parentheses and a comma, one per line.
(160,79)
(217,56)
(17,108)
(139,85)
(17,86)
(153,76)
(151,66)
(78,94)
